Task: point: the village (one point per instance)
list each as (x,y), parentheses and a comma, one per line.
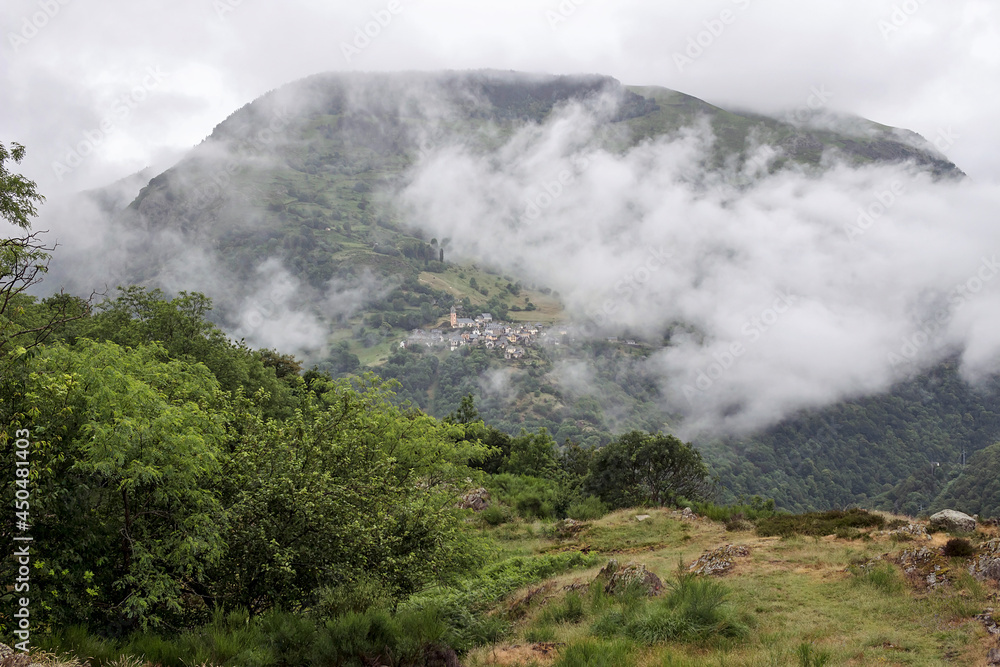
(509,338)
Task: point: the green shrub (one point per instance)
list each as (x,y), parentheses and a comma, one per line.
(959,547)
(849,533)
(596,653)
(818,523)
(757,508)
(365,592)
(495,515)
(531,497)
(587,509)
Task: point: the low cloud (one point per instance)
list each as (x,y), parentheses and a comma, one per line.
(783,291)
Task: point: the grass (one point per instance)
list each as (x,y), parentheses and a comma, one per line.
(794,601)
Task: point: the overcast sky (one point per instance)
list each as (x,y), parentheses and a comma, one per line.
(136,83)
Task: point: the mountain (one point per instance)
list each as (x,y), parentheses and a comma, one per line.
(291,216)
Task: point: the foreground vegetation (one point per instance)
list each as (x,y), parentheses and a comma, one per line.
(195,501)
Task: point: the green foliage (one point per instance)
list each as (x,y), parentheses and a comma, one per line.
(463,605)
(818,523)
(278,639)
(531,497)
(757,508)
(872,451)
(976,489)
(138,317)
(23,261)
(351,484)
(127,443)
(587,509)
(496,515)
(540,633)
(532,454)
(642,468)
(18,195)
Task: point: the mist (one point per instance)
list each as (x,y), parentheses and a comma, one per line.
(778,291)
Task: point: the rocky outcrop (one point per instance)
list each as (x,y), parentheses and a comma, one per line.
(619,578)
(476,500)
(912,531)
(986,563)
(952,521)
(719,561)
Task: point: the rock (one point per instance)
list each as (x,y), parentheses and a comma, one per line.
(476,500)
(687,513)
(926,565)
(989,622)
(953,521)
(986,563)
(621,577)
(440,656)
(718,561)
(913,531)
(569,527)
(642,517)
(993,657)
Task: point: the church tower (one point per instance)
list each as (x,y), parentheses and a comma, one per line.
(454,318)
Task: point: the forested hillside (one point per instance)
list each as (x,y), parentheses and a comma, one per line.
(288,217)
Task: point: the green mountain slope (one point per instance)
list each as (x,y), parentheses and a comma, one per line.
(894,452)
(304,178)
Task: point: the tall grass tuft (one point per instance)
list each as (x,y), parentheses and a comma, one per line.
(809,656)
(596,653)
(883,577)
(694,609)
(569,610)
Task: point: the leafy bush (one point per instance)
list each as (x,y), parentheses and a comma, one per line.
(365,592)
(647,468)
(496,515)
(587,509)
(959,547)
(818,523)
(532,497)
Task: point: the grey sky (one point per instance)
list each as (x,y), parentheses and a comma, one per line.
(140,82)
